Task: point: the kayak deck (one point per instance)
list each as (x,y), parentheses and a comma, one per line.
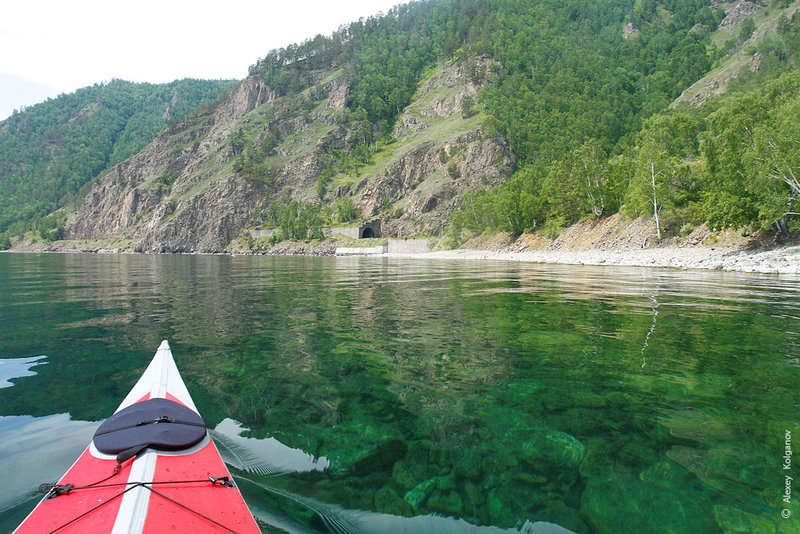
(182,491)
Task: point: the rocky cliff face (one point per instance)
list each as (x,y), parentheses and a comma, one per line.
(427,182)
(176,195)
(197,185)
(737,11)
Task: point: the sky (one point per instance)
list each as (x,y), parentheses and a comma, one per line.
(50,47)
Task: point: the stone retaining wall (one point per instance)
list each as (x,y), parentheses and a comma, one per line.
(255,234)
(408,246)
(362,251)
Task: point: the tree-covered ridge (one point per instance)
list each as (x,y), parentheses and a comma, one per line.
(565,72)
(735,162)
(582,80)
(570,91)
(49,151)
(751,150)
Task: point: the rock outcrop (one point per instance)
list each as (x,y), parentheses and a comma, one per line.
(426,183)
(736,12)
(172,196)
(196,186)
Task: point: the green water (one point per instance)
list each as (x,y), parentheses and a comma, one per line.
(388,395)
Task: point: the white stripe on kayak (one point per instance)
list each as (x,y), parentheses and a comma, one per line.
(133,510)
(160,377)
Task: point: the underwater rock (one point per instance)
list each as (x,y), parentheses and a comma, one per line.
(449,504)
(388,501)
(417,495)
(589,399)
(361,448)
(531,479)
(581,421)
(664,474)
(385,496)
(475,497)
(756,475)
(467,463)
(697,425)
(445,483)
(494,465)
(380,457)
(554,448)
(621,502)
(734,521)
(565,516)
(497,508)
(598,455)
(562,483)
(445,500)
(525,392)
(717,467)
(558,403)
(540,447)
(512,501)
(635,453)
(403,476)
(420,463)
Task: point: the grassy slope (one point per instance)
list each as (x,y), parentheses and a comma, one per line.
(736,61)
(439,130)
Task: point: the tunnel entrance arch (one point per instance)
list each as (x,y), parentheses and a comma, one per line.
(370,229)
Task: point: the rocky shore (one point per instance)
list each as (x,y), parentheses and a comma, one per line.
(782,260)
(617,240)
(777,260)
(609,241)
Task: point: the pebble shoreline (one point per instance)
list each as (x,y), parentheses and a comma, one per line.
(773,260)
(779,260)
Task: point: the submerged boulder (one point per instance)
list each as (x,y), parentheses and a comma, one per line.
(361,448)
(555,448)
(389,502)
(417,496)
(449,504)
(512,501)
(735,521)
(664,474)
(621,502)
(545,449)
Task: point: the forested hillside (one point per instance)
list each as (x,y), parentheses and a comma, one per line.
(384,118)
(49,151)
(574,94)
(564,70)
(561,74)
(732,162)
